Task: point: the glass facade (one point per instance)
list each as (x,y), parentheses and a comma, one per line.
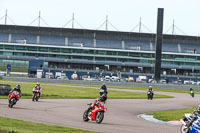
(94,54)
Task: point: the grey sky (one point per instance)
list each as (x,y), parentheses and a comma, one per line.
(123,14)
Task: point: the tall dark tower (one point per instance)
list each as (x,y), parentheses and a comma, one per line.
(159,37)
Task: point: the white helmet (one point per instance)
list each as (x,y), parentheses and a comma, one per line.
(38,83)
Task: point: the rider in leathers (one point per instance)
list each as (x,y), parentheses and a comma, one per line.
(17,88)
(37,87)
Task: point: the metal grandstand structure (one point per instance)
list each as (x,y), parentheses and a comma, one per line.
(137,28)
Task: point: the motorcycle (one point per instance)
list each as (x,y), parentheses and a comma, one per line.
(150,95)
(13,98)
(95,112)
(36,95)
(190,123)
(192,93)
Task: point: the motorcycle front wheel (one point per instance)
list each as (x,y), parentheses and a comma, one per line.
(151,96)
(36,98)
(85,115)
(192,95)
(11,102)
(99,117)
(33,99)
(184,129)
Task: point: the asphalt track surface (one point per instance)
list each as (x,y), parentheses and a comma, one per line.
(121,117)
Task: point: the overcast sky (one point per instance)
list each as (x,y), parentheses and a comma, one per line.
(123,14)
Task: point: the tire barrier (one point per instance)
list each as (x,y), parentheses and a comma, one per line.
(4,89)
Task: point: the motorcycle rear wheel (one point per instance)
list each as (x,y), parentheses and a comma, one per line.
(85,116)
(184,129)
(99,117)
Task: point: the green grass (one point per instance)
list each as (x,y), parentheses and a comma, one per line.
(19,126)
(63,91)
(171,114)
(157,89)
(145,89)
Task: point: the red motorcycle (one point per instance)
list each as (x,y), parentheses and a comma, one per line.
(36,94)
(95,112)
(13,98)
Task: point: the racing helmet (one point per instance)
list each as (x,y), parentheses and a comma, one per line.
(198,109)
(38,84)
(18,86)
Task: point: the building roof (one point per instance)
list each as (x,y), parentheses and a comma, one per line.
(119,35)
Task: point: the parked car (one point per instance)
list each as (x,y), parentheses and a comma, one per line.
(115,79)
(63,78)
(188,82)
(107,78)
(49,75)
(130,79)
(163,81)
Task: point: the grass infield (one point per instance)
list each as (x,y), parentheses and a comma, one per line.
(18,126)
(171,115)
(53,91)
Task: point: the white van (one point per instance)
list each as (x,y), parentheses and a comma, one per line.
(49,75)
(107,78)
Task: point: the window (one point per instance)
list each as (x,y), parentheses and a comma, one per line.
(134,54)
(87,58)
(61,56)
(100,58)
(42,49)
(66,50)
(122,53)
(1,46)
(7,53)
(87,51)
(111,53)
(54,50)
(123,60)
(19,54)
(100,52)
(30,54)
(145,55)
(32,48)
(20,47)
(8,47)
(144,61)
(110,59)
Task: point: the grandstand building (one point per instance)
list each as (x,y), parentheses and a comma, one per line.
(82,49)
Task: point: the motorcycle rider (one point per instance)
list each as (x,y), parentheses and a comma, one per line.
(150,91)
(17,88)
(103,89)
(196,114)
(101,98)
(38,87)
(191,92)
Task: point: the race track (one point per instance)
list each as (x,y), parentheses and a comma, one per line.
(121,116)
